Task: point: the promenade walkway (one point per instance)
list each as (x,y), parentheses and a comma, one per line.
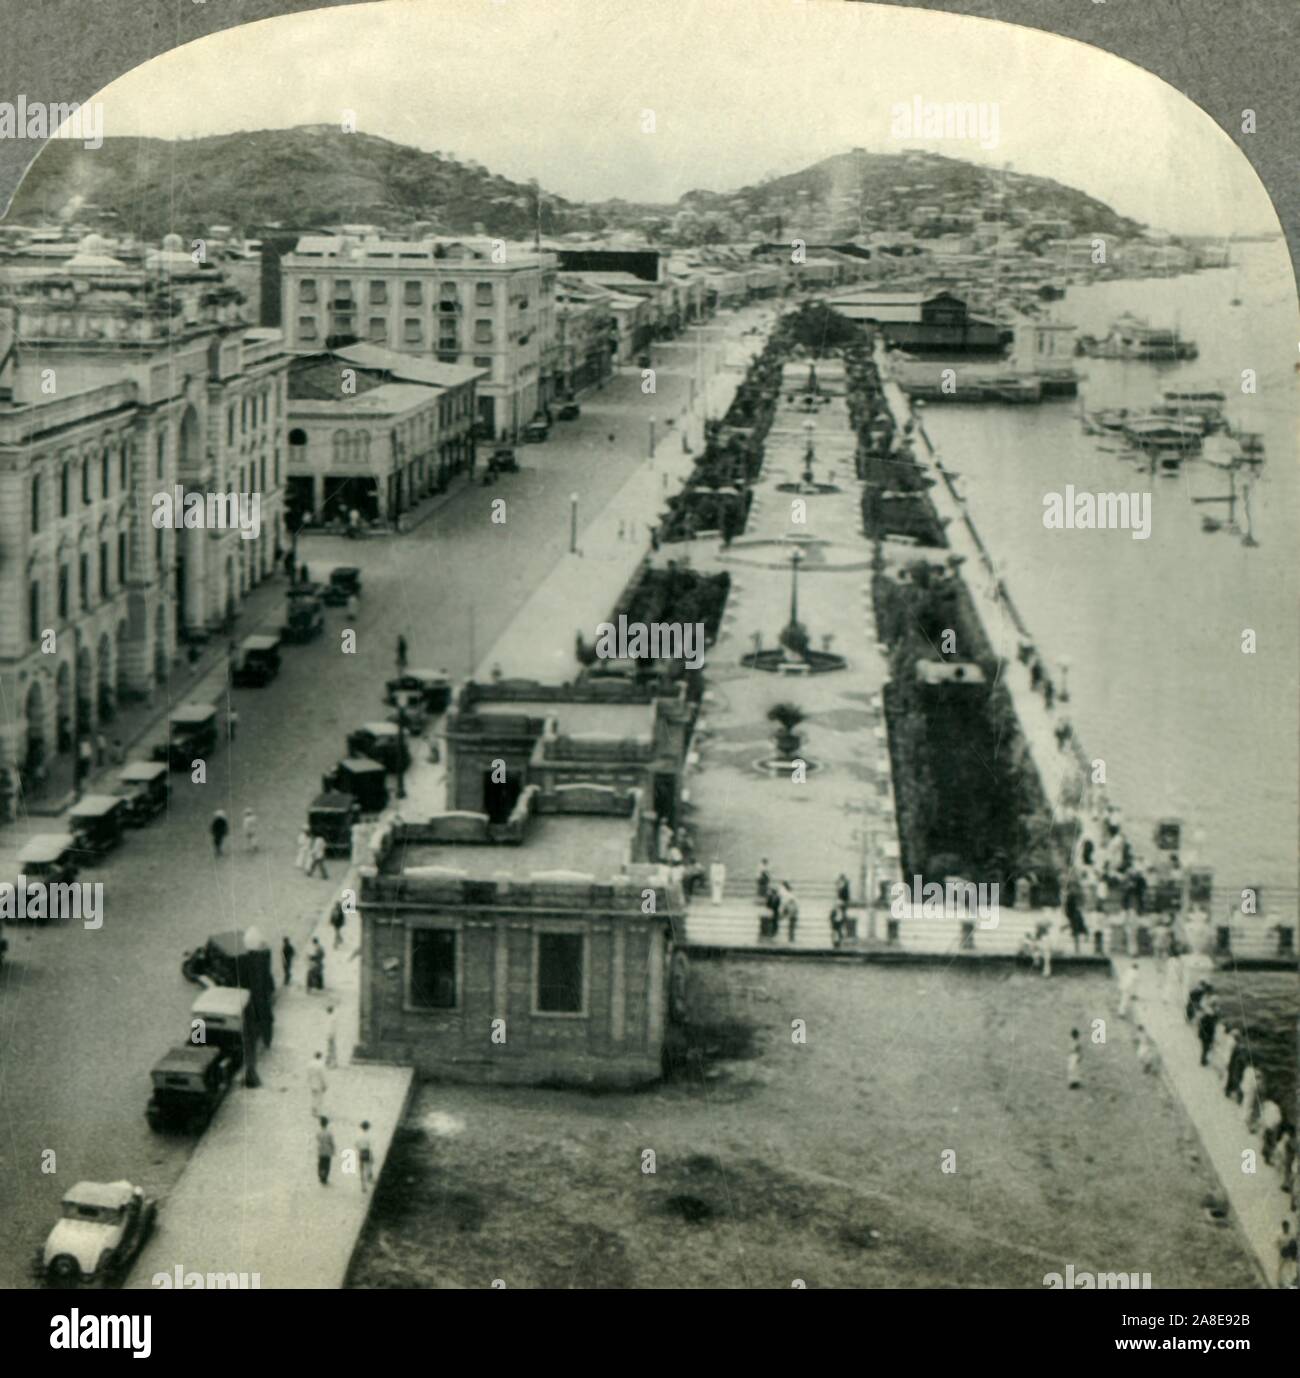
(1258,1202)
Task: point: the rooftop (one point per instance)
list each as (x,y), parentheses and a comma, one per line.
(575,719)
(583,845)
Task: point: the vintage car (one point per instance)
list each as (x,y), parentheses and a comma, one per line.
(189,1082)
(344,583)
(228,1017)
(363,780)
(230,961)
(382,742)
(145,787)
(409,710)
(536,431)
(51,859)
(305,616)
(432,686)
(257,663)
(331,816)
(503,461)
(191,735)
(569,411)
(101,1229)
(97,821)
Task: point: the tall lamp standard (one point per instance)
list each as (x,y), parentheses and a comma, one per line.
(573,523)
(652,437)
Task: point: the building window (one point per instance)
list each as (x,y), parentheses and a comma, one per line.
(125,465)
(483,294)
(105,474)
(36,502)
(378,329)
(85,480)
(307,290)
(482,361)
(243,416)
(482,332)
(63,491)
(433,968)
(261,487)
(411,333)
(83,570)
(34,611)
(103,569)
(162,454)
(307,329)
(266,405)
(65,578)
(230,425)
(379,293)
(343,291)
(121,557)
(560,967)
(158,552)
(449,296)
(412,294)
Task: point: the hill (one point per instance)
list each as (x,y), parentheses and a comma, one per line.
(304,176)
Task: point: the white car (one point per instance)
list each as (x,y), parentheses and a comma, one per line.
(103,1226)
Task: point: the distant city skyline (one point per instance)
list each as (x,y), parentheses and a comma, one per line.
(596,105)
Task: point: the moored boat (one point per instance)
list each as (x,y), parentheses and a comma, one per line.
(1132,337)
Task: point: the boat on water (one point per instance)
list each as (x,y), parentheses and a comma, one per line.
(1107,421)
(1166,443)
(1132,337)
(1201,407)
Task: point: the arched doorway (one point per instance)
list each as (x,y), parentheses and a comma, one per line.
(85,711)
(34,756)
(161,659)
(107,697)
(63,698)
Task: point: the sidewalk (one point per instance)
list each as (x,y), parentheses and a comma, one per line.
(1257,1200)
(249,1200)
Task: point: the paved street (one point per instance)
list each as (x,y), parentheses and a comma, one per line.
(85,1014)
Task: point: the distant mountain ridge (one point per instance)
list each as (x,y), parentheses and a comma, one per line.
(318,174)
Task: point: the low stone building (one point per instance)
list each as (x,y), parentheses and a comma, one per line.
(534,950)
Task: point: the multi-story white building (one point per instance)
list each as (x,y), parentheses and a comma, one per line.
(118,384)
(482,303)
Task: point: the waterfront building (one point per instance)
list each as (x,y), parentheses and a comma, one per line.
(526,935)
(476,302)
(585,334)
(924,322)
(117,383)
(375,431)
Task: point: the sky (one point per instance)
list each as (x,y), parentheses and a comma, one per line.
(598,99)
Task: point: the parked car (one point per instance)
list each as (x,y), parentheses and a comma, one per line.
(305,616)
(227,960)
(344,583)
(191,734)
(364,781)
(258,662)
(382,742)
(101,1229)
(145,788)
(51,859)
(189,1082)
(97,821)
(432,686)
(229,1019)
(503,460)
(569,411)
(536,431)
(331,816)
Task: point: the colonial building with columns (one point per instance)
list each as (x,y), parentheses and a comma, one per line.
(118,383)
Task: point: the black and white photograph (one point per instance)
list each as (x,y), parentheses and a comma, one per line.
(646,648)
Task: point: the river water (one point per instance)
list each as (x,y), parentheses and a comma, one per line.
(1189,726)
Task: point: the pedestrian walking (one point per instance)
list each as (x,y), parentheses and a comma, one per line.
(365,1157)
(302,575)
(351,607)
(101,749)
(1206,1026)
(316,1084)
(717,879)
(250,830)
(85,759)
(337,920)
(317,858)
(331,1037)
(401,655)
(219,827)
(287,953)
(837,925)
(1145,1053)
(1286,1257)
(1074,1062)
(288,564)
(773,912)
(843,890)
(790,908)
(304,850)
(232,723)
(324,1150)
(763,878)
(315,967)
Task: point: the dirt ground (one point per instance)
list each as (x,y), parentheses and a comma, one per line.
(777,1160)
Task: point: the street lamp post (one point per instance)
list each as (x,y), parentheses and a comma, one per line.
(652,437)
(573,523)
